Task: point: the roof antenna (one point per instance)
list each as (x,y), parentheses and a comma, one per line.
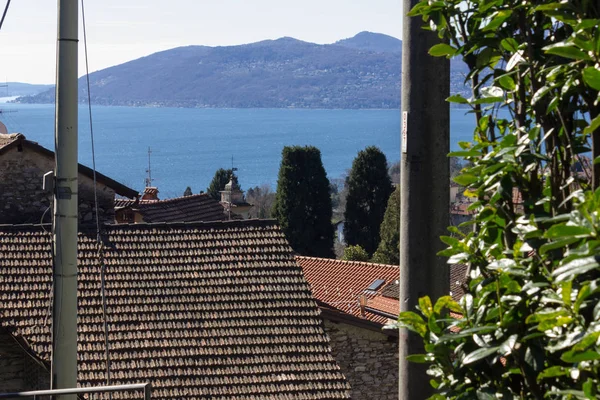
(232,167)
(149,170)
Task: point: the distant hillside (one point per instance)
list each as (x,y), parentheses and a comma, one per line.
(273,73)
(359,72)
(21,89)
(370,41)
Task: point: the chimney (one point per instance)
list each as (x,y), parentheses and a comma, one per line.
(150,193)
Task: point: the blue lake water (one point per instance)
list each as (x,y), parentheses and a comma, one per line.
(189,145)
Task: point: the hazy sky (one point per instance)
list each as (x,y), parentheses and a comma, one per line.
(122,30)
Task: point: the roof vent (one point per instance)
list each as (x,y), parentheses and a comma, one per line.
(376,284)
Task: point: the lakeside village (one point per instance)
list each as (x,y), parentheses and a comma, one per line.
(202,299)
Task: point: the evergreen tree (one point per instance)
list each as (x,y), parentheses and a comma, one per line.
(388,251)
(369,188)
(302,202)
(222,176)
(355,253)
(188,191)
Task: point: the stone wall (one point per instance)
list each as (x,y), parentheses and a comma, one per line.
(369,359)
(18,371)
(22,199)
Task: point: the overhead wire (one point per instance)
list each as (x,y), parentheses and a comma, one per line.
(98,236)
(4,13)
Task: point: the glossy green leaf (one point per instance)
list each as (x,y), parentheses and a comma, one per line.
(558,244)
(583,294)
(550,6)
(560,231)
(566,292)
(570,52)
(412,321)
(576,267)
(590,389)
(425,306)
(574,357)
(553,372)
(591,76)
(457,98)
(594,124)
(510,44)
(479,354)
(507,82)
(586,342)
(465,179)
(419,358)
(442,49)
(446,302)
(497,20)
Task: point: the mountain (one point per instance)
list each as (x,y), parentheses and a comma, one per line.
(370,41)
(21,89)
(358,72)
(273,74)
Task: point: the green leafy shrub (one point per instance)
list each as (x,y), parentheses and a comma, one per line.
(355,253)
(528,326)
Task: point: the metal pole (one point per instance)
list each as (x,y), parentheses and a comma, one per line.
(64,318)
(424,183)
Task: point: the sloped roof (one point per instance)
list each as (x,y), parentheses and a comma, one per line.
(340,284)
(458,277)
(201,310)
(8,141)
(197,207)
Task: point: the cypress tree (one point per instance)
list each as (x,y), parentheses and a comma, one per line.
(369,188)
(219,181)
(388,251)
(302,202)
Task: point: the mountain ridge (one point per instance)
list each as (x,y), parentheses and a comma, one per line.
(358,72)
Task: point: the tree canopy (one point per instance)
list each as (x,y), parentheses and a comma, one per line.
(355,253)
(388,251)
(222,176)
(302,202)
(369,188)
(262,198)
(188,191)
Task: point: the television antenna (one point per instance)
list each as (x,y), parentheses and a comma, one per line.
(149,170)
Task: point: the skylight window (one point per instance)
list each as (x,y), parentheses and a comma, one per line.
(376,284)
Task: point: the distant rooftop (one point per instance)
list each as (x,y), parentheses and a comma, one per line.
(201,310)
(341,284)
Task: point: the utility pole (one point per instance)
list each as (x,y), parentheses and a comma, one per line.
(64,310)
(424,183)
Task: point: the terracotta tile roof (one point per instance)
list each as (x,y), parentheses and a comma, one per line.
(391,290)
(120,203)
(384,305)
(340,284)
(458,276)
(197,207)
(8,141)
(202,310)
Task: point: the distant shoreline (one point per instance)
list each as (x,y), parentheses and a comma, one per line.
(452,106)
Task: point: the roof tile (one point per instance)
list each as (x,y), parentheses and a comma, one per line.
(204,310)
(340,284)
